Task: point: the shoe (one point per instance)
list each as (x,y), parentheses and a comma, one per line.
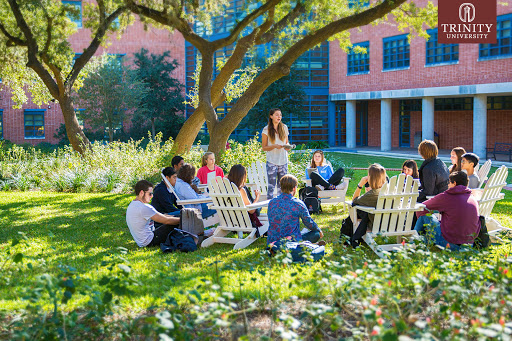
(320,187)
(321,243)
(341,186)
(332,187)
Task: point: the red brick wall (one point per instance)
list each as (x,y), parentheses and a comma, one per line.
(499,126)
(135,38)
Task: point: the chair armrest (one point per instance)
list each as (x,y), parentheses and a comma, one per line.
(365,208)
(251,185)
(258,204)
(194,201)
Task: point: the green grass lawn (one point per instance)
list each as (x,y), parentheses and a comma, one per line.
(82,230)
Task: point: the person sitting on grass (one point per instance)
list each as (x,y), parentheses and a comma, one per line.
(186,190)
(410,167)
(208,166)
(140,217)
(460,223)
(164,201)
(284,215)
(324,178)
(468,163)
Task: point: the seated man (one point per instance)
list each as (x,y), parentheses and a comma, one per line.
(164,201)
(460,222)
(468,163)
(140,216)
(284,213)
(176,163)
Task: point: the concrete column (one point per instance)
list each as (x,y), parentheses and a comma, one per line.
(385,125)
(351,124)
(331,120)
(480,125)
(427,118)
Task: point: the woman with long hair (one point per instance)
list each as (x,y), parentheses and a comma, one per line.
(208,166)
(322,175)
(238,176)
(274,140)
(410,167)
(456,158)
(186,190)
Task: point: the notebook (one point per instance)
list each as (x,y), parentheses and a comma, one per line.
(311,170)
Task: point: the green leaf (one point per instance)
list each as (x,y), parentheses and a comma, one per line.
(107,297)
(18,258)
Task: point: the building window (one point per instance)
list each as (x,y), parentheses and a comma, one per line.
(396,52)
(75,17)
(1,124)
(34,124)
(440,53)
(499,103)
(456,103)
(358,63)
(503,46)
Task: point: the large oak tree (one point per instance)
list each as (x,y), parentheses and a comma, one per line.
(293,27)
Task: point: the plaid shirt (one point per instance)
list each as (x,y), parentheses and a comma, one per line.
(283,215)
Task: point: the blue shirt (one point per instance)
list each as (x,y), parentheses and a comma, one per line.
(325,171)
(283,215)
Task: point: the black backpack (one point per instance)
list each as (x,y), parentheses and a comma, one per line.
(309,196)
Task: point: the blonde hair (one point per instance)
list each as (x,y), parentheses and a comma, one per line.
(288,183)
(376,176)
(313,164)
(428,149)
(205,158)
(271,130)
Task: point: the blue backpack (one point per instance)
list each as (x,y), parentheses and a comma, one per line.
(179,240)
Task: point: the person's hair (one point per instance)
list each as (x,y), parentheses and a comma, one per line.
(142,185)
(376,176)
(272,130)
(288,183)
(187,172)
(459,151)
(428,149)
(414,166)
(313,165)
(237,175)
(168,171)
(459,178)
(176,160)
(205,158)
(472,157)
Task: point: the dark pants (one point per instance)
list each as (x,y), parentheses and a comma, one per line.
(311,236)
(335,179)
(161,233)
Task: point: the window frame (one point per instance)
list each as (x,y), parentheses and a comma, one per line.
(401,37)
(488,48)
(358,57)
(33,112)
(433,33)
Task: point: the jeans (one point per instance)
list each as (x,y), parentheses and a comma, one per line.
(274,174)
(335,179)
(206,211)
(175,213)
(160,234)
(311,236)
(435,227)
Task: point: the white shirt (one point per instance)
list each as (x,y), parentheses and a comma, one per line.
(278,157)
(138,218)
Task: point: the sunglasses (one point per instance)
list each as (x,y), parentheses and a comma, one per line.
(150,193)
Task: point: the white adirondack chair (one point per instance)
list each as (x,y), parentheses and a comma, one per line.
(233,215)
(393,214)
(332,197)
(489,195)
(483,172)
(257,178)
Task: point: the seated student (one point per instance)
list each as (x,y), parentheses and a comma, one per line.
(164,201)
(238,176)
(285,213)
(456,158)
(140,217)
(433,172)
(460,223)
(410,168)
(324,177)
(375,179)
(468,163)
(208,166)
(177,162)
(186,190)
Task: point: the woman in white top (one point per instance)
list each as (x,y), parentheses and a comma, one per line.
(274,136)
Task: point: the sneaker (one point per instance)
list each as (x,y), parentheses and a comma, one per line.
(341,186)
(320,187)
(332,187)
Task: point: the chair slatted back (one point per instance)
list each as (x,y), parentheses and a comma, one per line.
(492,191)
(229,204)
(396,205)
(257,174)
(170,188)
(483,172)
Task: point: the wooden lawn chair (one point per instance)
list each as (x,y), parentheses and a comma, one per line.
(257,178)
(332,197)
(233,215)
(393,215)
(489,195)
(483,172)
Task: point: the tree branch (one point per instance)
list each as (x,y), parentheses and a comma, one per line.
(286,20)
(12,40)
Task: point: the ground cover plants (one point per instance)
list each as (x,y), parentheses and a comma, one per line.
(70,270)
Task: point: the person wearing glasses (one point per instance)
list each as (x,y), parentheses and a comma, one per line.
(140,217)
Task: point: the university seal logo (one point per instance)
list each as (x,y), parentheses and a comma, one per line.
(463,21)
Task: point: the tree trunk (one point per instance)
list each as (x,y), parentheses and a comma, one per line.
(153,128)
(76,136)
(188,132)
(218,141)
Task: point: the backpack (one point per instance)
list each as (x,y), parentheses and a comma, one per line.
(178,240)
(309,196)
(483,240)
(191,221)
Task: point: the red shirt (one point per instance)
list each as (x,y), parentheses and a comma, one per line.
(202,173)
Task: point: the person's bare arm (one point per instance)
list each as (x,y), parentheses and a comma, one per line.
(165,219)
(246,199)
(361,183)
(265,146)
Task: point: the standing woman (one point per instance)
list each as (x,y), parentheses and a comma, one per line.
(456,158)
(274,136)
